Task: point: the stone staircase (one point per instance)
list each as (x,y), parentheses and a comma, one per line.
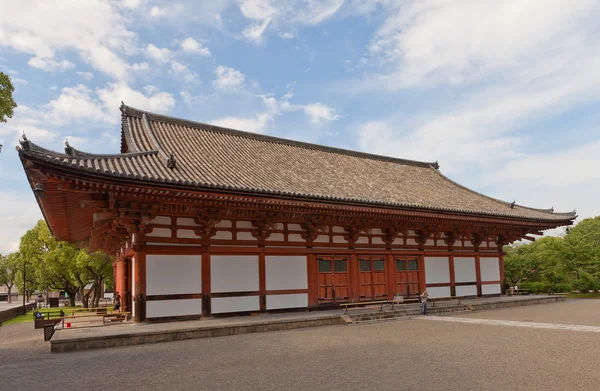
(402,313)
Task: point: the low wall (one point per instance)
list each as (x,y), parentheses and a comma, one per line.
(516,303)
(16,311)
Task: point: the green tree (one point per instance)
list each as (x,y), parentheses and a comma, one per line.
(7,104)
(97,268)
(8,272)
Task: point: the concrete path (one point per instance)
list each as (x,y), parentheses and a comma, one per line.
(514,323)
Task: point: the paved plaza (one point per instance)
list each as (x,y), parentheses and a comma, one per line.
(414,354)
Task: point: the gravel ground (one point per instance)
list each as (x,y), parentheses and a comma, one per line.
(406,355)
(573,311)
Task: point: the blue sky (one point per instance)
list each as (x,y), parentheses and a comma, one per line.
(505,95)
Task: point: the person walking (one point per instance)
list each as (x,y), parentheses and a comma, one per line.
(424,299)
(117,302)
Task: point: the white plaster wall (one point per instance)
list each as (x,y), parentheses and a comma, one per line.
(224,224)
(398,241)
(277,236)
(233,273)
(245,236)
(221,305)
(287,301)
(437,270)
(322,239)
(440,291)
(377,240)
(173,274)
(186,221)
(160,233)
(187,234)
(339,239)
(490,269)
(430,242)
(464,269)
(362,240)
(490,289)
(161,308)
(223,235)
(294,227)
(411,241)
(161,220)
(244,224)
(467,290)
(286,272)
(295,238)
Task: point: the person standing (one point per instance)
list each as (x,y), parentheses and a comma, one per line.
(424,299)
(117,301)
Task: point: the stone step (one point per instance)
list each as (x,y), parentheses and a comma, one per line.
(383,316)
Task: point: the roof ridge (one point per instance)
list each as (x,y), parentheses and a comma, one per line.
(131,111)
(505,203)
(77,154)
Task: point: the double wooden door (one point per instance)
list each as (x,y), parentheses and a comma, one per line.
(333,279)
(407,276)
(372,280)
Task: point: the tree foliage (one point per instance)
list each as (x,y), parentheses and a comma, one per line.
(7,103)
(569,260)
(62,266)
(9,268)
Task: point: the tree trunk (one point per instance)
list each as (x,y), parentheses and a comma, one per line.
(97,296)
(9,293)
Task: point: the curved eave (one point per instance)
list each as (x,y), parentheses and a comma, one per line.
(553,219)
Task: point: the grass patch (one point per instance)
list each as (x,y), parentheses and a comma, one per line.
(590,295)
(54,313)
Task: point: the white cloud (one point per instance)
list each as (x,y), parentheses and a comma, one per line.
(50,65)
(190,45)
(76,104)
(228,79)
(157,54)
(256,124)
(131,3)
(320,113)
(181,70)
(156,11)
(150,89)
(286,35)
(43,30)
(114,93)
(19,213)
(86,75)
(283,13)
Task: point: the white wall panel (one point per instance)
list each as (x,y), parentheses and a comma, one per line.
(464,269)
(322,239)
(162,308)
(173,274)
(490,269)
(186,221)
(223,235)
(160,233)
(277,236)
(166,220)
(224,224)
(411,241)
(490,289)
(220,305)
(275,302)
(467,290)
(377,240)
(187,234)
(440,291)
(245,236)
(286,272)
(362,240)
(437,270)
(339,239)
(295,238)
(233,273)
(244,224)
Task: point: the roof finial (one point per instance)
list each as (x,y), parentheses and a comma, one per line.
(171,161)
(512,206)
(69,150)
(25,143)
(122,108)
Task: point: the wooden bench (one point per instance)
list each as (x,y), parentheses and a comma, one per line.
(380,303)
(404,301)
(114,317)
(446,298)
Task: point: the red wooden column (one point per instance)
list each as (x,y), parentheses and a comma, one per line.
(422,285)
(501,265)
(262,282)
(354,275)
(206,311)
(452,277)
(312,279)
(478,273)
(390,274)
(140,278)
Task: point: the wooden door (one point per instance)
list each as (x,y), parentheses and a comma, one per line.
(333,279)
(407,276)
(372,282)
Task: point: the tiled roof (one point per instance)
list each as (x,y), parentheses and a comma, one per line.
(211,157)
